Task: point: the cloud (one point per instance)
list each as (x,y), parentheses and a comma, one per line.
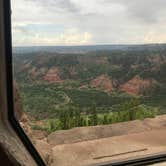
(94,21)
(19,29)
(69,37)
(149,11)
(57,5)
(155,35)
(74,37)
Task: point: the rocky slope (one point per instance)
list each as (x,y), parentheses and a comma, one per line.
(127,70)
(102,82)
(137,85)
(53,75)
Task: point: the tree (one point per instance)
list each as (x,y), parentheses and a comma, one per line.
(133,105)
(94,118)
(64,118)
(105,119)
(77,117)
(127,111)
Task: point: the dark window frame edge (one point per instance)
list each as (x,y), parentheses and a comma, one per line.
(9,80)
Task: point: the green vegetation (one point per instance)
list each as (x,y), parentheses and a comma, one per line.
(44,100)
(74,102)
(67,119)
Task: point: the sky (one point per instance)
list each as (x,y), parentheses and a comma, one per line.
(88,22)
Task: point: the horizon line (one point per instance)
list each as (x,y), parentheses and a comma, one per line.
(90,45)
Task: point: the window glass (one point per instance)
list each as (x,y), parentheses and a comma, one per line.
(90,78)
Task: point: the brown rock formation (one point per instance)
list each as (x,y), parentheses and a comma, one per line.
(102,82)
(53,75)
(136,86)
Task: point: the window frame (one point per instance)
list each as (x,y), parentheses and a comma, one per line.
(9,84)
(148,160)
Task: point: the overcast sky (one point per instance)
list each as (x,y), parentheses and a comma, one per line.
(83,22)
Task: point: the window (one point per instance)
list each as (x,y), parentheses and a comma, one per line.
(89,79)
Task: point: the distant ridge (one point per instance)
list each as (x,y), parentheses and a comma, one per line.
(86,48)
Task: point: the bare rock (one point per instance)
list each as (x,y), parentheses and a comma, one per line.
(53,75)
(39,134)
(45,150)
(136,86)
(102,82)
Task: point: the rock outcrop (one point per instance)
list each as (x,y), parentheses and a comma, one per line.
(136,86)
(53,75)
(102,82)
(87,145)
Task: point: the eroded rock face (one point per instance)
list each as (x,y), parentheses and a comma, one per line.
(53,75)
(136,86)
(102,82)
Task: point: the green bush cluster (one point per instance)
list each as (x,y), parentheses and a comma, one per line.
(73,117)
